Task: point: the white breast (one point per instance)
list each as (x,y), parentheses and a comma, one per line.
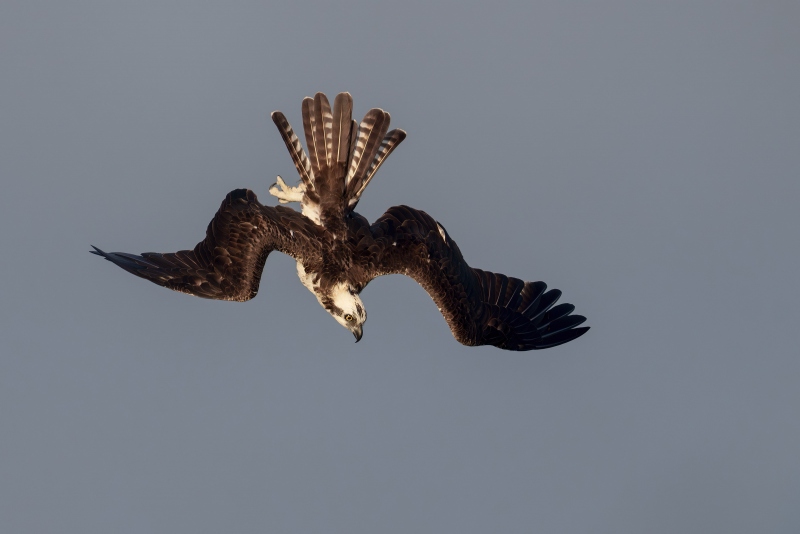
(307,279)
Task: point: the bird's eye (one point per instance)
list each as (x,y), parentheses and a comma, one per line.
(348,318)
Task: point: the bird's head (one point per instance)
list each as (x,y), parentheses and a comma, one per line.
(346,307)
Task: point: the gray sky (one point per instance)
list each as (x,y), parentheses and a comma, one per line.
(641,157)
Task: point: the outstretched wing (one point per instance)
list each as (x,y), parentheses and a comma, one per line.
(481,307)
(227,264)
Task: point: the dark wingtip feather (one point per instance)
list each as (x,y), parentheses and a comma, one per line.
(129,262)
(561,324)
(562,337)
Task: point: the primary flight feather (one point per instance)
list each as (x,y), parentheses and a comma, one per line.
(338,252)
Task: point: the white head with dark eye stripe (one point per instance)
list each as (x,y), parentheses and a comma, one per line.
(347,309)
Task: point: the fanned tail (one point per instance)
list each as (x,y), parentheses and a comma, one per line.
(343,155)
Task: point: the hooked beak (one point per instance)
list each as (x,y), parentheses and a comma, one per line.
(358,332)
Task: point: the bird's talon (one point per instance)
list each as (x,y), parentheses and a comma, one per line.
(285,193)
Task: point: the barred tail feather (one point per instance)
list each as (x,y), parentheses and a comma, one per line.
(353,140)
(315,139)
(323,136)
(389,143)
(371,146)
(299,156)
(367,138)
(342,125)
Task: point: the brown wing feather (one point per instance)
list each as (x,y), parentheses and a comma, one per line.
(481,307)
(227,264)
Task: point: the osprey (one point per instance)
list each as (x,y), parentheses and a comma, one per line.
(338,252)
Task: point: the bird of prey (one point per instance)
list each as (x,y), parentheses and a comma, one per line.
(338,252)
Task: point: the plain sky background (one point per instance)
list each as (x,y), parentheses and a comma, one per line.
(643,157)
